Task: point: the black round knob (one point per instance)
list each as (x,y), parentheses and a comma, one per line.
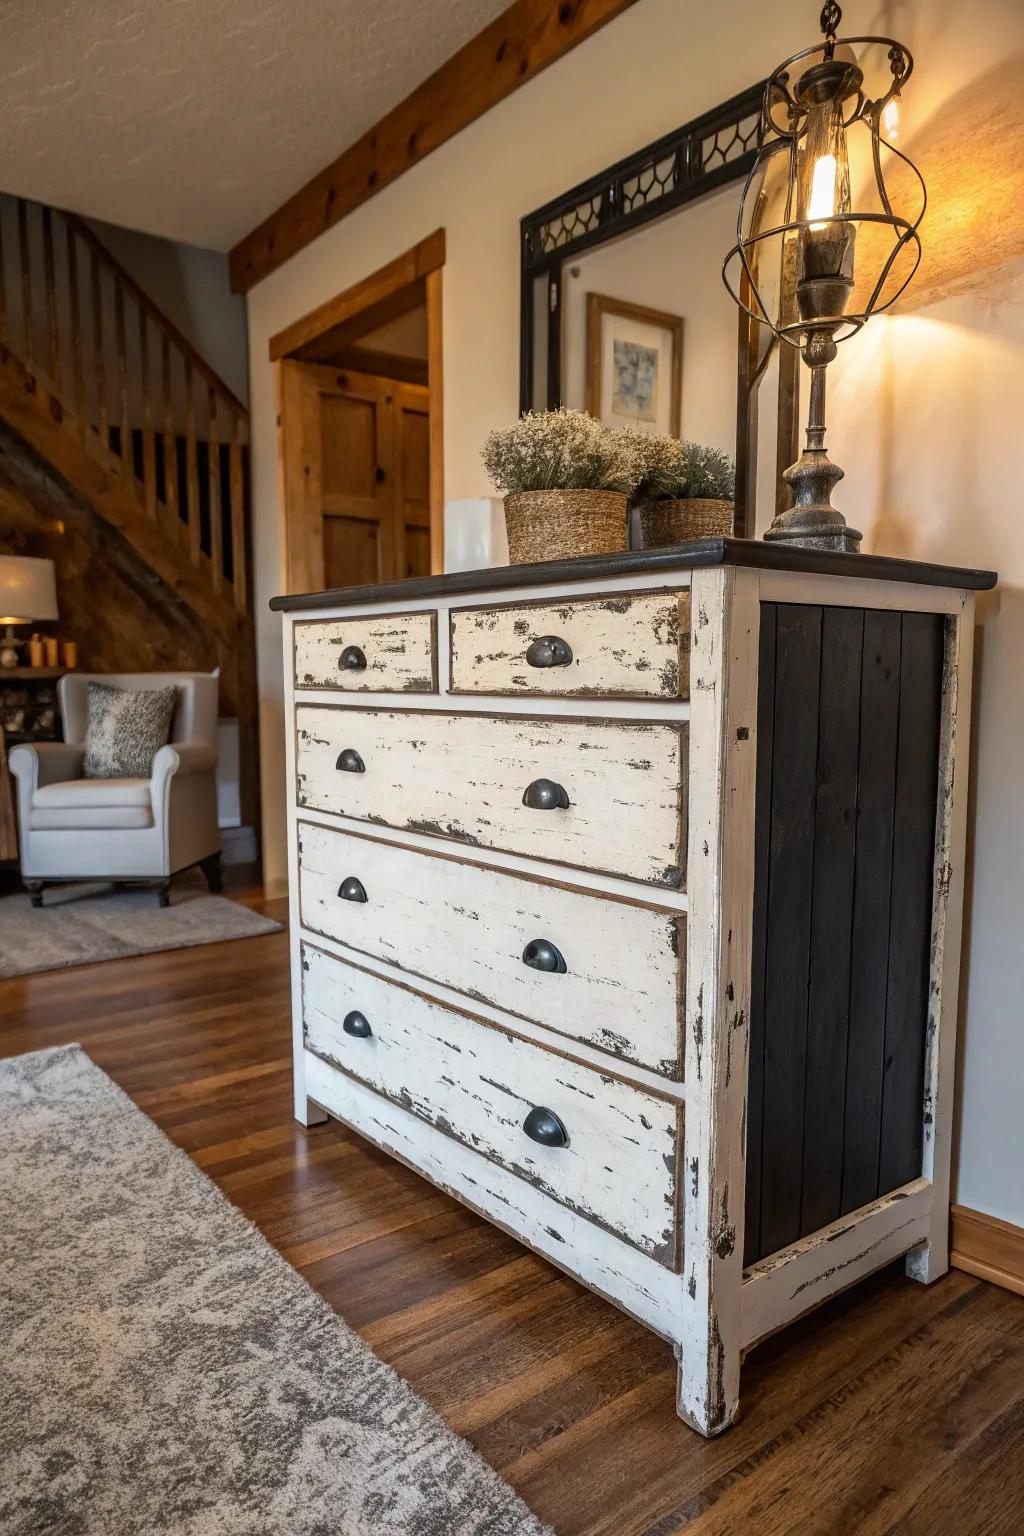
(542,955)
(349,761)
(549,651)
(545,795)
(352,659)
(543,1125)
(357,1024)
(352,889)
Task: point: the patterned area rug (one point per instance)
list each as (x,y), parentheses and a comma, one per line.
(164,1371)
(81,924)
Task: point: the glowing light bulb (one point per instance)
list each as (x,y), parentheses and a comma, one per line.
(891,120)
(822,202)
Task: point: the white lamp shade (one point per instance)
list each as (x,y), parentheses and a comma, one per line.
(28,590)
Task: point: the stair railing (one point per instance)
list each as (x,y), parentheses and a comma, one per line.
(130,385)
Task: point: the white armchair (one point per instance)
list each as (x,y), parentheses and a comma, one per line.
(72,828)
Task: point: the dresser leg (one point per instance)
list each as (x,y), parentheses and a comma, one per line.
(307,1113)
(708,1399)
(931,1261)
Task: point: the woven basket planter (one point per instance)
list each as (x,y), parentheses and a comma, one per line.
(558,525)
(674,522)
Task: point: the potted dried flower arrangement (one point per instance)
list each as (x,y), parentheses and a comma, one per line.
(683,490)
(565,479)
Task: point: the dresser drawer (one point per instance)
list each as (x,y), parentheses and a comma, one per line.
(595,969)
(394,654)
(603,795)
(479,1084)
(614,646)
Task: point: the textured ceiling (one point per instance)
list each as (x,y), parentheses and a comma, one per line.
(195,119)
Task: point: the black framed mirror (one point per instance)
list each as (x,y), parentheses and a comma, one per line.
(636,252)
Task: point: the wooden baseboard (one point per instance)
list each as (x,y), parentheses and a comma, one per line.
(987,1247)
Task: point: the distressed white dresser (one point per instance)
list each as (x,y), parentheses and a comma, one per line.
(626,902)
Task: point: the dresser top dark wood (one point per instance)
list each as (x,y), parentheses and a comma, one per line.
(681,557)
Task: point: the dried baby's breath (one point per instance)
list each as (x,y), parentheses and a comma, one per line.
(557,450)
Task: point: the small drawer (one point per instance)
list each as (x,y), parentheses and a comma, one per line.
(392,654)
(603,795)
(596,1144)
(594,969)
(614,646)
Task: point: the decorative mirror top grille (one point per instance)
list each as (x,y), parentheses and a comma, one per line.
(713,149)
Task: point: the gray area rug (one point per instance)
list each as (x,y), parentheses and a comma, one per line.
(78,925)
(163,1370)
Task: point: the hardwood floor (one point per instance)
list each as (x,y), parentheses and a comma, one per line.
(893,1410)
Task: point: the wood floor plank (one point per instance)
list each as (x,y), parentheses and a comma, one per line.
(894,1409)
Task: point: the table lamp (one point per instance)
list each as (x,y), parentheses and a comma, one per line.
(28,594)
(793,265)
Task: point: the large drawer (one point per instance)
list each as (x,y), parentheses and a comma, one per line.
(478,1084)
(617,976)
(606,795)
(396,653)
(613,646)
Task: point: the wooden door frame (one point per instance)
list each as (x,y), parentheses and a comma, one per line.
(414,276)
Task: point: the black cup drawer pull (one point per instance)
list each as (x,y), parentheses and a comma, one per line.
(543,1125)
(349,761)
(542,955)
(357,1024)
(545,795)
(352,659)
(352,889)
(549,651)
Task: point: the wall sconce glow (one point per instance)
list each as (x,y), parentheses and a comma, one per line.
(799,223)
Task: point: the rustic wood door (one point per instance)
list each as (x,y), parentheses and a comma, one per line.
(356,462)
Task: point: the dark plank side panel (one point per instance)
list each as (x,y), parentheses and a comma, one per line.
(790,888)
(848,741)
(876,800)
(835,832)
(762,846)
(912,878)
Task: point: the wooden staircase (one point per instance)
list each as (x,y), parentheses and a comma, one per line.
(102,385)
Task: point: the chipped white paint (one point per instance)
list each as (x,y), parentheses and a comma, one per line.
(726,619)
(478,1083)
(931,1261)
(399,650)
(801,1277)
(639,1285)
(464,776)
(466,926)
(449,771)
(623,645)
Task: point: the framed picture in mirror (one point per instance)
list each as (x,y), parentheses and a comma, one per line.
(634,365)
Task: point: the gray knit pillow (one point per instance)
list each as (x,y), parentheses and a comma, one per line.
(126,729)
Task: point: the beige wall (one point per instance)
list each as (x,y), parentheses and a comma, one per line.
(926,410)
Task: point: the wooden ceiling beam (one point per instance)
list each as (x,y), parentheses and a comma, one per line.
(517,45)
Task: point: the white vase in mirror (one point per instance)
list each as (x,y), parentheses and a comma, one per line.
(474,533)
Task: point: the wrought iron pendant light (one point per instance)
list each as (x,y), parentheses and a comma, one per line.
(820,247)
